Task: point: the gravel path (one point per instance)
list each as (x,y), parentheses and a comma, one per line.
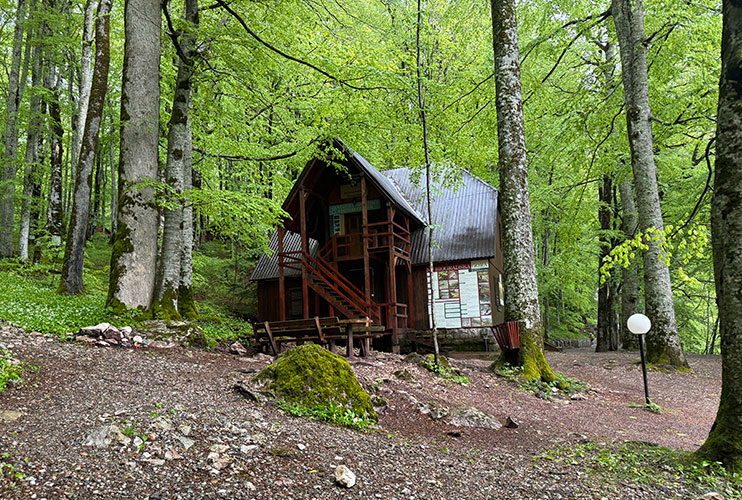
(109,423)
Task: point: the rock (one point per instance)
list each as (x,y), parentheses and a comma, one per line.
(250,486)
(137,339)
(244,390)
(103,437)
(162,424)
(113,334)
(94,331)
(455,434)
(578,397)
(184,429)
(126,331)
(175,332)
(249,449)
(172,455)
(404,374)
(510,423)
(154,461)
(313,376)
(237,348)
(712,495)
(468,416)
(301,447)
(344,476)
(184,441)
(7,416)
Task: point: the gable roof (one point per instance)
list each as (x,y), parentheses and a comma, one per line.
(465,217)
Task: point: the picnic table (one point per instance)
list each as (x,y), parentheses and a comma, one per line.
(271,335)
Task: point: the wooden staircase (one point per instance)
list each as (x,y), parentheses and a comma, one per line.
(332,286)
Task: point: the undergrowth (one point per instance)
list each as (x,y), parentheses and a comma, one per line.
(647,464)
(448,374)
(332,413)
(563,384)
(10,369)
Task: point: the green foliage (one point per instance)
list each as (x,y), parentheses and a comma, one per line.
(9,368)
(561,385)
(646,464)
(35,305)
(446,372)
(332,413)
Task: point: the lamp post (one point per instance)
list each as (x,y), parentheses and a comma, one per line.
(638,324)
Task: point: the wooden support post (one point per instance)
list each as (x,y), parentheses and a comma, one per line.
(270,337)
(349,332)
(410,300)
(393,284)
(305,252)
(365,242)
(281,276)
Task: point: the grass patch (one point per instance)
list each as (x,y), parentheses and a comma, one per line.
(332,413)
(562,385)
(445,372)
(10,369)
(646,464)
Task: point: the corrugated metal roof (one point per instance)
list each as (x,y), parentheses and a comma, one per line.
(267,266)
(382,183)
(465,217)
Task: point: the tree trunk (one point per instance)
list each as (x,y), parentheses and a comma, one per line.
(630,290)
(54,213)
(663,343)
(7,196)
(179,145)
(72,267)
(114,189)
(521,289)
(86,73)
(33,135)
(134,254)
(724,442)
(605,339)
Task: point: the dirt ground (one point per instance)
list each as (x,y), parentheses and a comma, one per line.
(96,422)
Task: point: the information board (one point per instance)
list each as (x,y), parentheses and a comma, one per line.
(462,297)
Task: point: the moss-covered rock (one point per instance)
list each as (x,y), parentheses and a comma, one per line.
(314,377)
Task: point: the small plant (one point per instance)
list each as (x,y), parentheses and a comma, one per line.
(332,413)
(651,406)
(448,374)
(129,430)
(9,368)
(562,384)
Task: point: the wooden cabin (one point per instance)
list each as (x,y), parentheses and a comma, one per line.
(356,246)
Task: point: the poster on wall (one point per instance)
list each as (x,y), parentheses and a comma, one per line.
(462,297)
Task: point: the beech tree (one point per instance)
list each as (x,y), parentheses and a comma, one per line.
(521,288)
(74,250)
(630,290)
(179,147)
(663,343)
(134,254)
(10,161)
(724,442)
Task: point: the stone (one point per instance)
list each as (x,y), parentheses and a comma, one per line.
(510,423)
(94,331)
(250,486)
(162,424)
(578,397)
(7,416)
(154,461)
(175,332)
(238,349)
(711,495)
(244,390)
(184,429)
(404,374)
(344,476)
(137,339)
(469,416)
(248,449)
(113,334)
(184,441)
(312,376)
(102,437)
(301,447)
(172,455)
(126,331)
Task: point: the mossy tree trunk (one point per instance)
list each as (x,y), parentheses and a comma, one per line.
(74,250)
(54,204)
(521,289)
(134,254)
(724,442)
(179,146)
(607,338)
(663,343)
(10,160)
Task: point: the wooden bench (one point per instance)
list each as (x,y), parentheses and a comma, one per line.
(271,335)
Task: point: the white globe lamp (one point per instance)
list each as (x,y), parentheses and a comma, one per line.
(638,324)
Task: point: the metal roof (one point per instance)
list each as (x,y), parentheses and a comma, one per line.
(464,217)
(382,183)
(267,266)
